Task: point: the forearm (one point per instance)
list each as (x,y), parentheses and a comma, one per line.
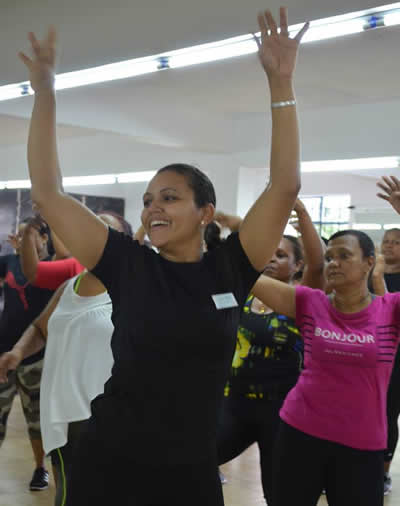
(29,257)
(42,148)
(285,142)
(31,342)
(313,250)
(379,284)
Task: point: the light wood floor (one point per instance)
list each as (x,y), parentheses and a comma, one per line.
(243,487)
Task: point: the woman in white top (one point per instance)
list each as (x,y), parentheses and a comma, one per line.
(76,329)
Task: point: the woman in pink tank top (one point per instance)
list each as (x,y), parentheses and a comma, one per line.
(333,422)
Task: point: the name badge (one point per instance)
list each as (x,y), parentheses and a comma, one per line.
(224,300)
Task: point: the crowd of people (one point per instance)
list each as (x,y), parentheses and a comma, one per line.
(154,362)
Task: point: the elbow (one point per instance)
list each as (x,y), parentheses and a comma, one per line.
(43,197)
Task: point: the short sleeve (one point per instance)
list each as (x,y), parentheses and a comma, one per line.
(51,275)
(117,261)
(307,299)
(243,273)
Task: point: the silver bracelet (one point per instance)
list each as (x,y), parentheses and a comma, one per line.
(285,103)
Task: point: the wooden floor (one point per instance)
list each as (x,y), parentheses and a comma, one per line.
(243,487)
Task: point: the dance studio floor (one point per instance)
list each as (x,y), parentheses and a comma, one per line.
(243,487)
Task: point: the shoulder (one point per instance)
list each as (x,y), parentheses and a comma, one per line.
(310,297)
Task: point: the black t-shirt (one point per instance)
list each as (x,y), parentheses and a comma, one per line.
(172,348)
(22,304)
(268,357)
(392,281)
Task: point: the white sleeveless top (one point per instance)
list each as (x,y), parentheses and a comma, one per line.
(77,363)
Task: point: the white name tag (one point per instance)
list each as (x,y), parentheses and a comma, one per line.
(224,300)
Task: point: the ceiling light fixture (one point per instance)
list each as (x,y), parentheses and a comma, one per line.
(385,162)
(321,29)
(101,179)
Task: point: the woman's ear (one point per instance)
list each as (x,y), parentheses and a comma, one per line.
(371,262)
(208,214)
(300,265)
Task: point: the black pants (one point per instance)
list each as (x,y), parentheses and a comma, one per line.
(61,459)
(101,478)
(247,421)
(305,464)
(393,409)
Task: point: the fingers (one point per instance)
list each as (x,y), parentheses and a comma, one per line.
(263,25)
(302,32)
(387,189)
(396,182)
(271,23)
(382,196)
(389,182)
(283,21)
(34,43)
(51,38)
(25,59)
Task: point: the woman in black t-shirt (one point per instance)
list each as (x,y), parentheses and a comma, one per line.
(269,354)
(175,313)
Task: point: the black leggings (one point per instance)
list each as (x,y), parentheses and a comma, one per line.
(306,464)
(393,409)
(244,422)
(100,478)
(61,459)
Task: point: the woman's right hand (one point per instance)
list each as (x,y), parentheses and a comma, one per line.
(9,362)
(42,64)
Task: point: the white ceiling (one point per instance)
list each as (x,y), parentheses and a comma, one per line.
(215,109)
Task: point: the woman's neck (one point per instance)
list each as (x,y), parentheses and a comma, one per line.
(189,254)
(392,268)
(352,300)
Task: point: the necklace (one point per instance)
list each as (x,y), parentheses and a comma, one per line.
(259,306)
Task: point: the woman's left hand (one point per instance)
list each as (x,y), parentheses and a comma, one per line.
(391,187)
(276,50)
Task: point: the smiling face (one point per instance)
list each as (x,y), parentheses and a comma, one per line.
(170,215)
(345,262)
(282,265)
(391,247)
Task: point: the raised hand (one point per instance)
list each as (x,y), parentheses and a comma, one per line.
(14,241)
(299,207)
(379,268)
(276,50)
(391,187)
(8,362)
(228,221)
(42,64)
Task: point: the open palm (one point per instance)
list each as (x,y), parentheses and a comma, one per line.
(276,50)
(42,64)
(391,188)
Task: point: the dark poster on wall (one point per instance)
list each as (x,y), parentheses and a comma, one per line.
(16,206)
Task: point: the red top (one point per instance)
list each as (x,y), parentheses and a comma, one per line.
(51,275)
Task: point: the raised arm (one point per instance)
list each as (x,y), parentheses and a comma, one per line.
(31,341)
(378,274)
(228,221)
(80,230)
(277,53)
(29,256)
(277,295)
(313,249)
